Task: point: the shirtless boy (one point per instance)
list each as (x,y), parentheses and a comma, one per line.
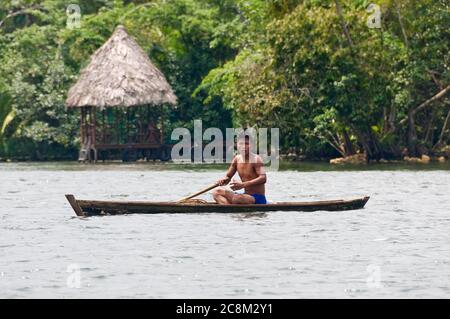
(251,171)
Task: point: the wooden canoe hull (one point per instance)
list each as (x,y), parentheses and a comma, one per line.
(95,207)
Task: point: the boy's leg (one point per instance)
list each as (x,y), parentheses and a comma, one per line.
(222,196)
(243,199)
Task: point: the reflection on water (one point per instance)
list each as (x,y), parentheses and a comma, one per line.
(396,247)
(252,215)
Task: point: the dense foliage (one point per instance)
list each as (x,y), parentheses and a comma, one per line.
(313,68)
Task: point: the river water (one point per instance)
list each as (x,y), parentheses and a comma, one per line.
(397,247)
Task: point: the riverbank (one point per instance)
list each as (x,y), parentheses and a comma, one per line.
(362,159)
(305,166)
(441,157)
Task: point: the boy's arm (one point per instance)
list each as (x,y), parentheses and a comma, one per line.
(230,173)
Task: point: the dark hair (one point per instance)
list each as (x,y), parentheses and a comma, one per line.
(243,136)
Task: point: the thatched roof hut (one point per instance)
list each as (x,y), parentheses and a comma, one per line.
(120,74)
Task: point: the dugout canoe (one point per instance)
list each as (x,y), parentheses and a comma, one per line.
(99,207)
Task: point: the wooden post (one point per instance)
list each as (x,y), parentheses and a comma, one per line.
(104,127)
(94,125)
(116,118)
(162,126)
(127,127)
(147,122)
(88,131)
(94,132)
(82,125)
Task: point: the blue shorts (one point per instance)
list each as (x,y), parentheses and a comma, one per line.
(259,199)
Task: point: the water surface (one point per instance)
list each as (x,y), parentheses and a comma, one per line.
(397,247)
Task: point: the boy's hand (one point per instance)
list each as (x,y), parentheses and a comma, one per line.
(223,181)
(236,185)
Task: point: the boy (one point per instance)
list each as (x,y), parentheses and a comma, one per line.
(251,171)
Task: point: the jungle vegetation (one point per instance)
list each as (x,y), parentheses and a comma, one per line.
(323,71)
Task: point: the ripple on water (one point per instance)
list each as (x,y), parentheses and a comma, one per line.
(320,230)
(7,246)
(244,291)
(53,286)
(405,232)
(381,239)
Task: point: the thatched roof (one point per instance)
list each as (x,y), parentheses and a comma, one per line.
(120,74)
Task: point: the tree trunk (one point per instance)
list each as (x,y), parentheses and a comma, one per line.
(343,23)
(348,146)
(430,129)
(444,128)
(412,135)
(370,144)
(335,144)
(402,27)
(439,95)
(377,152)
(389,120)
(392,117)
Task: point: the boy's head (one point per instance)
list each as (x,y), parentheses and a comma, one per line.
(243,143)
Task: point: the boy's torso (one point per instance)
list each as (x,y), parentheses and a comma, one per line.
(248,172)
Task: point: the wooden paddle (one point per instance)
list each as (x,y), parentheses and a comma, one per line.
(198,193)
